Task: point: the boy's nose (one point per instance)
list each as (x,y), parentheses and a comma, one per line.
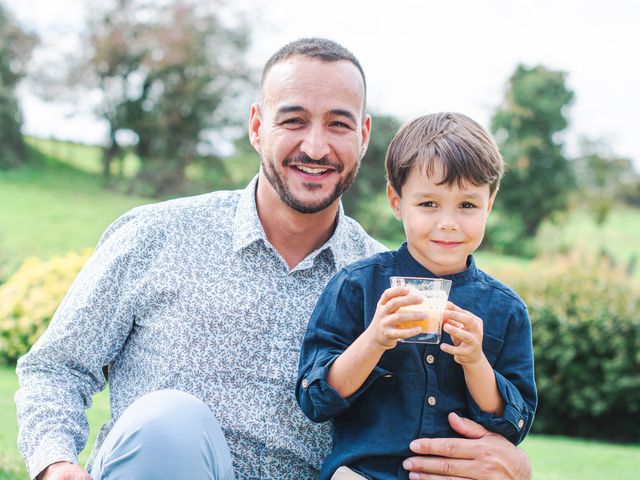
(447,223)
(315,144)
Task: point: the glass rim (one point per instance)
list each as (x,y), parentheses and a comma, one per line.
(422,278)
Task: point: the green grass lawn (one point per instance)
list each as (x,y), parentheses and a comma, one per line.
(618,236)
(37,201)
(553,458)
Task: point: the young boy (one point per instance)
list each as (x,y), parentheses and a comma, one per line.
(443,172)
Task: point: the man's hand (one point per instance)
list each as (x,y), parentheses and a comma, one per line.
(63,471)
(483,455)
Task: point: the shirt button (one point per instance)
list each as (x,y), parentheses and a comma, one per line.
(520,423)
(305,383)
(430,359)
(431,401)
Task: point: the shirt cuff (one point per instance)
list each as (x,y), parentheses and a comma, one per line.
(321,402)
(50,450)
(516,419)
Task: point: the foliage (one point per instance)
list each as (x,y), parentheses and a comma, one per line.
(603,179)
(15,49)
(586,339)
(371,181)
(29,299)
(168,72)
(539,178)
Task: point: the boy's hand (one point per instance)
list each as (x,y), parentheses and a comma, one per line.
(384,330)
(466,332)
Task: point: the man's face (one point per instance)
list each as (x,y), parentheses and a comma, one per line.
(310,131)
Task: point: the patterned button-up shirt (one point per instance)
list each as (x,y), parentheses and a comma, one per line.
(187,294)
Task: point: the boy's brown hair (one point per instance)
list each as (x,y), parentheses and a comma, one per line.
(467,151)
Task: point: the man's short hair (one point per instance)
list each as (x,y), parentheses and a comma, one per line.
(319,48)
(467,151)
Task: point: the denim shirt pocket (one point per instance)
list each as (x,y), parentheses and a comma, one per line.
(491,346)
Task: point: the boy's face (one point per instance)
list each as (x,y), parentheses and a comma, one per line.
(443,223)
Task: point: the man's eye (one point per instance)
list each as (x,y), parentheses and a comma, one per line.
(292,121)
(340,125)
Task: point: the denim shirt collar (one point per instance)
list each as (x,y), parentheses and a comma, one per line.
(414,268)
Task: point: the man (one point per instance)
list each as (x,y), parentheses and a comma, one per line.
(206,299)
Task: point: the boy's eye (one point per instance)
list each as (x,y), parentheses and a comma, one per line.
(428,204)
(467,205)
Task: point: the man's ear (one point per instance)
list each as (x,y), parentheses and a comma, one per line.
(366,134)
(255,127)
(394,201)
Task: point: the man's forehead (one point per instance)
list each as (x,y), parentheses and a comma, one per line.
(300,75)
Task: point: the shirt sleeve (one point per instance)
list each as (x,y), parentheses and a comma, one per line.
(516,383)
(62,371)
(337,320)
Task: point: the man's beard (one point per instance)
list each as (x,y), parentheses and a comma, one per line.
(287,197)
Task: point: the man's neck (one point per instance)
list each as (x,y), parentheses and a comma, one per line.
(293,234)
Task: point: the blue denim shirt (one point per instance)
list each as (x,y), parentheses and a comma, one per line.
(414,386)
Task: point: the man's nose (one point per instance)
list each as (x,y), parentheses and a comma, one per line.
(315,143)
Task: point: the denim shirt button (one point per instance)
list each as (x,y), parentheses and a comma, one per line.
(305,383)
(430,359)
(520,423)
(431,401)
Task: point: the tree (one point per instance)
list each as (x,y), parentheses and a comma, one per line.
(366,199)
(168,73)
(371,180)
(602,178)
(15,49)
(539,178)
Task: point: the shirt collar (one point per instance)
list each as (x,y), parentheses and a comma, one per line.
(246,225)
(247,229)
(416,269)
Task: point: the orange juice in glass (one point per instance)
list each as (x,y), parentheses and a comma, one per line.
(434,293)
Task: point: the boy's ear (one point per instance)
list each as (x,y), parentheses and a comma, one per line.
(492,199)
(394,201)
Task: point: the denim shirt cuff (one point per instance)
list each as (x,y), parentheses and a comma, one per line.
(515,421)
(327,402)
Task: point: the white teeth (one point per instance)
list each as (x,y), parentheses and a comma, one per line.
(315,171)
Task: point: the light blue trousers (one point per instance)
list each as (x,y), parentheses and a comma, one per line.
(164,435)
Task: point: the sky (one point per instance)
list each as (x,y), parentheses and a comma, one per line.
(420,56)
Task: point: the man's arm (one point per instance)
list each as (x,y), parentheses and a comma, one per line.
(482,455)
(63,369)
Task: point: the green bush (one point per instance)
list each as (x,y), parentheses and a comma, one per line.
(586,336)
(29,298)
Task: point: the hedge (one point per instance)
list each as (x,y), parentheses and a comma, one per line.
(586,336)
(29,298)
(585,316)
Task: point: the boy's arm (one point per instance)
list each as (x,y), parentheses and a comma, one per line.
(352,368)
(483,388)
(512,372)
(332,373)
(466,331)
